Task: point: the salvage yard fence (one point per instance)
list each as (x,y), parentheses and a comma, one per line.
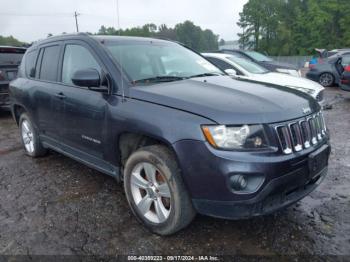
(298,61)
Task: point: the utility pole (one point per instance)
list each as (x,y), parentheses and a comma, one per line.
(76,20)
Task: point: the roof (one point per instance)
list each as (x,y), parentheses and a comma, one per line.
(96,37)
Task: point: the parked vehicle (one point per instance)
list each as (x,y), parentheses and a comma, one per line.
(329,71)
(345,79)
(322,54)
(10,58)
(243,68)
(182,136)
(264,61)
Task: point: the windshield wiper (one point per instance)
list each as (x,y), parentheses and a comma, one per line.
(159,79)
(206,74)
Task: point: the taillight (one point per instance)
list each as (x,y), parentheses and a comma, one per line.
(347,68)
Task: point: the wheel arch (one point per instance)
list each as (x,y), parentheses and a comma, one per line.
(17,110)
(129,142)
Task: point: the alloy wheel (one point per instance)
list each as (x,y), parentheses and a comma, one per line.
(326,79)
(150,192)
(27,136)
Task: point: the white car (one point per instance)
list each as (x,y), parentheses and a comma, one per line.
(242,68)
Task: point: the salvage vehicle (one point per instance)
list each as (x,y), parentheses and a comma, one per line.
(328,71)
(183,137)
(264,61)
(322,54)
(242,68)
(10,58)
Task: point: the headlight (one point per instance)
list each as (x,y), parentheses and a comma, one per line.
(236,137)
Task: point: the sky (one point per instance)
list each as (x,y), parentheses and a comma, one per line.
(31,20)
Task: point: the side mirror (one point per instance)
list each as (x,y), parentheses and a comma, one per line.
(87,78)
(231,72)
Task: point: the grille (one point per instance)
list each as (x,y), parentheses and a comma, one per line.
(298,135)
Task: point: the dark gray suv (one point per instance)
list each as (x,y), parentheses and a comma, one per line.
(183,137)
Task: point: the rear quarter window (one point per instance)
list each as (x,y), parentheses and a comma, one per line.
(29,61)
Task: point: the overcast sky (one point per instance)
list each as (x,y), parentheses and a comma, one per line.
(30,20)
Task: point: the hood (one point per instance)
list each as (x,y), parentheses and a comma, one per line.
(289,81)
(273,65)
(228,101)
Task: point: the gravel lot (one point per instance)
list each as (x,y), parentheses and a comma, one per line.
(54,205)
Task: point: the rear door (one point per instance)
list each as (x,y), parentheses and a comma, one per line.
(84,109)
(48,101)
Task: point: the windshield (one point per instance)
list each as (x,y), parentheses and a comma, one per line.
(257,56)
(159,60)
(249,66)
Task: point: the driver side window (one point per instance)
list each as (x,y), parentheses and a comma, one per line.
(77,57)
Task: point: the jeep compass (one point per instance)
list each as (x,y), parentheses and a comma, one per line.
(183,137)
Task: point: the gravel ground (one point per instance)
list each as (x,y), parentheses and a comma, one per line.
(54,205)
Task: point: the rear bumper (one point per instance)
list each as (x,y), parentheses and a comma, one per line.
(314,76)
(345,87)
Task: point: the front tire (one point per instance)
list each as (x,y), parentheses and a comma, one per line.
(155,190)
(30,137)
(326,79)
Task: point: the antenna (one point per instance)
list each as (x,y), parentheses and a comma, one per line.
(76,20)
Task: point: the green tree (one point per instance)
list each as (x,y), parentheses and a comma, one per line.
(10,40)
(187,33)
(295,27)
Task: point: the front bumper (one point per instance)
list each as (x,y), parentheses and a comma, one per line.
(207,173)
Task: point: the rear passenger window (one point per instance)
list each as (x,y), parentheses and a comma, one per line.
(30,60)
(76,58)
(49,64)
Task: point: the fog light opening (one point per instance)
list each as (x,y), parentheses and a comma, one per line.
(238,182)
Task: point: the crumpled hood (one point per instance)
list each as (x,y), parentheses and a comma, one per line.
(228,101)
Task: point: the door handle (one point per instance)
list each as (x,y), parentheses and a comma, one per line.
(60,95)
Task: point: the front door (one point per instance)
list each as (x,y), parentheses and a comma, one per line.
(84,109)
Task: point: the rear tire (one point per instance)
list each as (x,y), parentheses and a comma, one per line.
(155,190)
(30,137)
(326,79)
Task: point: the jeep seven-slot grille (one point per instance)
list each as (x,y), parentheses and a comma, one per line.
(297,135)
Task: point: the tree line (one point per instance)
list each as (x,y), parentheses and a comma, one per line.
(294,27)
(187,33)
(11,41)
